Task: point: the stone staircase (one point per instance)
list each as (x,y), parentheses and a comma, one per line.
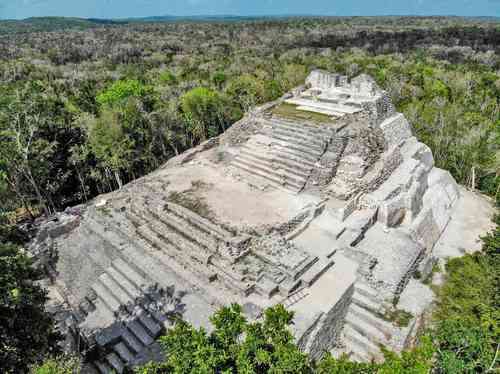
(364,330)
(118,298)
(288,160)
(295,297)
(191,241)
(134,338)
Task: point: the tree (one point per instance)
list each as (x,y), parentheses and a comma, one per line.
(235,346)
(27,332)
(245,91)
(24,154)
(120,91)
(110,144)
(203,110)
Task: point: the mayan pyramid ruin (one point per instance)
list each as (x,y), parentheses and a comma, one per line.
(323,201)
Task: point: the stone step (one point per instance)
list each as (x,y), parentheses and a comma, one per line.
(366,303)
(185,247)
(175,254)
(128,272)
(366,291)
(115,362)
(303,149)
(168,234)
(233,281)
(323,105)
(302,127)
(107,298)
(99,257)
(131,341)
(372,319)
(198,221)
(123,352)
(279,150)
(350,237)
(369,331)
(316,271)
(291,167)
(127,285)
(134,218)
(270,178)
(295,297)
(298,182)
(327,112)
(298,142)
(298,131)
(140,332)
(270,168)
(103,367)
(153,328)
(116,290)
(299,166)
(189,232)
(359,344)
(319,141)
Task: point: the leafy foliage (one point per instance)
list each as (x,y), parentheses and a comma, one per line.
(468,315)
(235,345)
(59,365)
(26,331)
(120,91)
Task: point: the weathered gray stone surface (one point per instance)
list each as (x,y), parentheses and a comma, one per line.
(330,218)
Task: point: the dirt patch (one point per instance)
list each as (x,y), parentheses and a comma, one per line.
(191,199)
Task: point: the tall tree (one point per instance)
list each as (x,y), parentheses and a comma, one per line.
(27,332)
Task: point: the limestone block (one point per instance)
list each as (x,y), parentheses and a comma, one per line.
(425,230)
(352,166)
(419,151)
(342,213)
(322,79)
(414,198)
(365,85)
(441,195)
(443,178)
(391,213)
(328,328)
(396,129)
(392,157)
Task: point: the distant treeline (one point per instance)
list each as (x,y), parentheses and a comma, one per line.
(478,38)
(47,24)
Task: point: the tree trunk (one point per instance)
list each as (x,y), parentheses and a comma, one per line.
(118,179)
(41,200)
(473,182)
(82,184)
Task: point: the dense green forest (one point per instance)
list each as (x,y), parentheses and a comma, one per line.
(83,112)
(88,106)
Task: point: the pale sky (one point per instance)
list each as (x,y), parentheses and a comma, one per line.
(141,8)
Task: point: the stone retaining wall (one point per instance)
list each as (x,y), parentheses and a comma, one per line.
(327,332)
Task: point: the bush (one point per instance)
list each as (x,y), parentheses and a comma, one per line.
(119,91)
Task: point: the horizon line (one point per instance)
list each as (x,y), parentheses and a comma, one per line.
(221,15)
